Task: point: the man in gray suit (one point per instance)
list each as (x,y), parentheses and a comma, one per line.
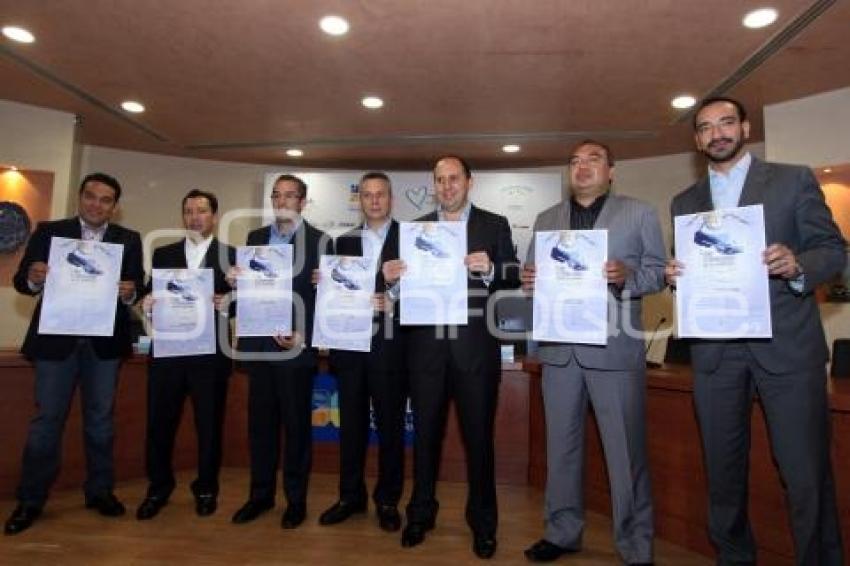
(611,377)
(787,371)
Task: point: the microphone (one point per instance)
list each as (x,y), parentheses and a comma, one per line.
(652,337)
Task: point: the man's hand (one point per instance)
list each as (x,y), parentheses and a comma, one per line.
(478,263)
(314,277)
(232,274)
(781,262)
(218,302)
(37,273)
(380,302)
(393,270)
(147,304)
(616,272)
(126,290)
(289,342)
(672,270)
(529,272)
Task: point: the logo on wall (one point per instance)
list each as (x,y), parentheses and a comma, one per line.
(14,226)
(417,196)
(516,196)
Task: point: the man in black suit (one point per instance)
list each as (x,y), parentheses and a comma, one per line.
(63,361)
(787,371)
(378,376)
(281,368)
(203,378)
(460,362)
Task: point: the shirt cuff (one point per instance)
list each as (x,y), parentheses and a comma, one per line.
(798,284)
(486,278)
(393,291)
(33,287)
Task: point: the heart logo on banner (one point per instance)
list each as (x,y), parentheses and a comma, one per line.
(417,196)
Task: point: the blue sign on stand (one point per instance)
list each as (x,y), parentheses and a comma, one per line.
(326,413)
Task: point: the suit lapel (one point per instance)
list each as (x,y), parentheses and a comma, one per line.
(702,196)
(390,243)
(608,210)
(754,184)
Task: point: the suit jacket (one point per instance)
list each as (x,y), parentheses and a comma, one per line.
(475,349)
(55,347)
(634,237)
(173,256)
(308,244)
(387,353)
(796,215)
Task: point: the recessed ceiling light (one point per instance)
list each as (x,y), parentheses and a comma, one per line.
(133,106)
(18,34)
(333,25)
(827,170)
(13,168)
(372,102)
(683,101)
(760,18)
(510,148)
(294,152)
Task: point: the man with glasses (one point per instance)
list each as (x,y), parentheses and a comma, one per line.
(787,371)
(610,377)
(280,392)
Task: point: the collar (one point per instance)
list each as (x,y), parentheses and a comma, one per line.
(464,214)
(276,233)
(382,231)
(737,170)
(84,226)
(595,206)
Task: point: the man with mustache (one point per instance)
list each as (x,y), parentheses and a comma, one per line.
(787,371)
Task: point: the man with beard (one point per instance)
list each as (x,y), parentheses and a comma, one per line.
(787,371)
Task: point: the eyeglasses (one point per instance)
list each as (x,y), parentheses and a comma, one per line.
(592,160)
(722,124)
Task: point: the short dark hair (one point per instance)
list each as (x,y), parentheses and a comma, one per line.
(197,193)
(739,108)
(302,186)
(376,175)
(467,170)
(107,180)
(588,141)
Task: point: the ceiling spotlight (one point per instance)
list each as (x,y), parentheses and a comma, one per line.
(294,152)
(372,102)
(13,168)
(333,25)
(18,34)
(827,170)
(760,18)
(510,148)
(133,106)
(683,101)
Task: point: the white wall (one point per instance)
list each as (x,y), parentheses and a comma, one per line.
(813,131)
(41,139)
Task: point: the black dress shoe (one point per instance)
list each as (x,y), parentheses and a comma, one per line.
(388,518)
(251,510)
(205,504)
(414,533)
(545,551)
(21,519)
(107,505)
(340,511)
(150,507)
(484,545)
(293,516)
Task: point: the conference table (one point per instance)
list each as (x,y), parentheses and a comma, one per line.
(675,454)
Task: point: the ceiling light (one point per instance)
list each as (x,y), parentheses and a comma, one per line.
(294,152)
(18,34)
(133,106)
(827,170)
(760,18)
(683,101)
(510,148)
(372,102)
(13,168)
(333,25)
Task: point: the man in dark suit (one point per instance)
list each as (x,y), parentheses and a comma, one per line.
(63,361)
(611,377)
(378,376)
(281,368)
(203,378)
(787,371)
(459,362)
